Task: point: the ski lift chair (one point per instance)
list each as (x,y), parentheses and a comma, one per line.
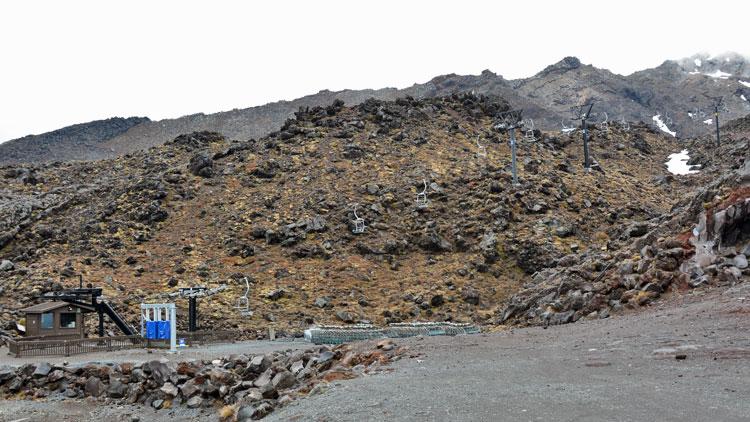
(422,196)
(528,133)
(481,150)
(566,130)
(604,125)
(243,303)
(667,120)
(359,223)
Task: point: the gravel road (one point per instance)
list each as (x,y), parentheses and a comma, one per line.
(619,369)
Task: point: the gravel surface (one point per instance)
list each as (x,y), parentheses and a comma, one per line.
(619,369)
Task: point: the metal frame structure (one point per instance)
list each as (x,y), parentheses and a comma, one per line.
(93,296)
(582,113)
(359,222)
(422,196)
(153,312)
(510,120)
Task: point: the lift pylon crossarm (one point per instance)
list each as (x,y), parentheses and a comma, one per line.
(508,120)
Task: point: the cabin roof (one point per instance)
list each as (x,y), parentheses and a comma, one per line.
(51,306)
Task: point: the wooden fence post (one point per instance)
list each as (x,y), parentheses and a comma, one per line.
(67,348)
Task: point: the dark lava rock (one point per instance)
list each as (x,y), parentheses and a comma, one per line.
(201,165)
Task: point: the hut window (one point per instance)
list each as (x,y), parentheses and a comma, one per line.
(48,321)
(67,320)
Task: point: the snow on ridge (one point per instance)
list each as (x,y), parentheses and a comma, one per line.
(719,74)
(663,126)
(697,62)
(747,84)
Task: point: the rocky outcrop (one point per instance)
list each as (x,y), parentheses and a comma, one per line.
(253,386)
(674,256)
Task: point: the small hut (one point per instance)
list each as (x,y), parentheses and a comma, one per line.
(56,320)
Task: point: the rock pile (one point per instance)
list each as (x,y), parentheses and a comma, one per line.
(673,255)
(252,385)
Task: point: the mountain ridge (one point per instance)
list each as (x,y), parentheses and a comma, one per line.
(677,90)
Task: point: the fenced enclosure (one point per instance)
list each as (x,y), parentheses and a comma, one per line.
(73,346)
(40,346)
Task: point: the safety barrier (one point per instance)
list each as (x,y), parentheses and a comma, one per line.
(345,334)
(73,347)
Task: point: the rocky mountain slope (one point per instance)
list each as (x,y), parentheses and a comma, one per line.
(205,210)
(677,91)
(82,142)
(703,240)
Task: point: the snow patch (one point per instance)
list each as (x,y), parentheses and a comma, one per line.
(708,121)
(743,97)
(663,126)
(677,163)
(747,84)
(719,74)
(697,62)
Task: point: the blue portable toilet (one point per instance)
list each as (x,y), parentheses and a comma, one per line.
(151,330)
(163,328)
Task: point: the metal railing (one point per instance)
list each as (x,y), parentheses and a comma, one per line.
(41,346)
(73,347)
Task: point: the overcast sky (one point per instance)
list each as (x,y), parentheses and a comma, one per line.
(66,62)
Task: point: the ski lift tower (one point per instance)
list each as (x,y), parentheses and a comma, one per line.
(582,113)
(510,120)
(718,107)
(192,294)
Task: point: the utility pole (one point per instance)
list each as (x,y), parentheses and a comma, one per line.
(513,155)
(583,113)
(716,121)
(510,120)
